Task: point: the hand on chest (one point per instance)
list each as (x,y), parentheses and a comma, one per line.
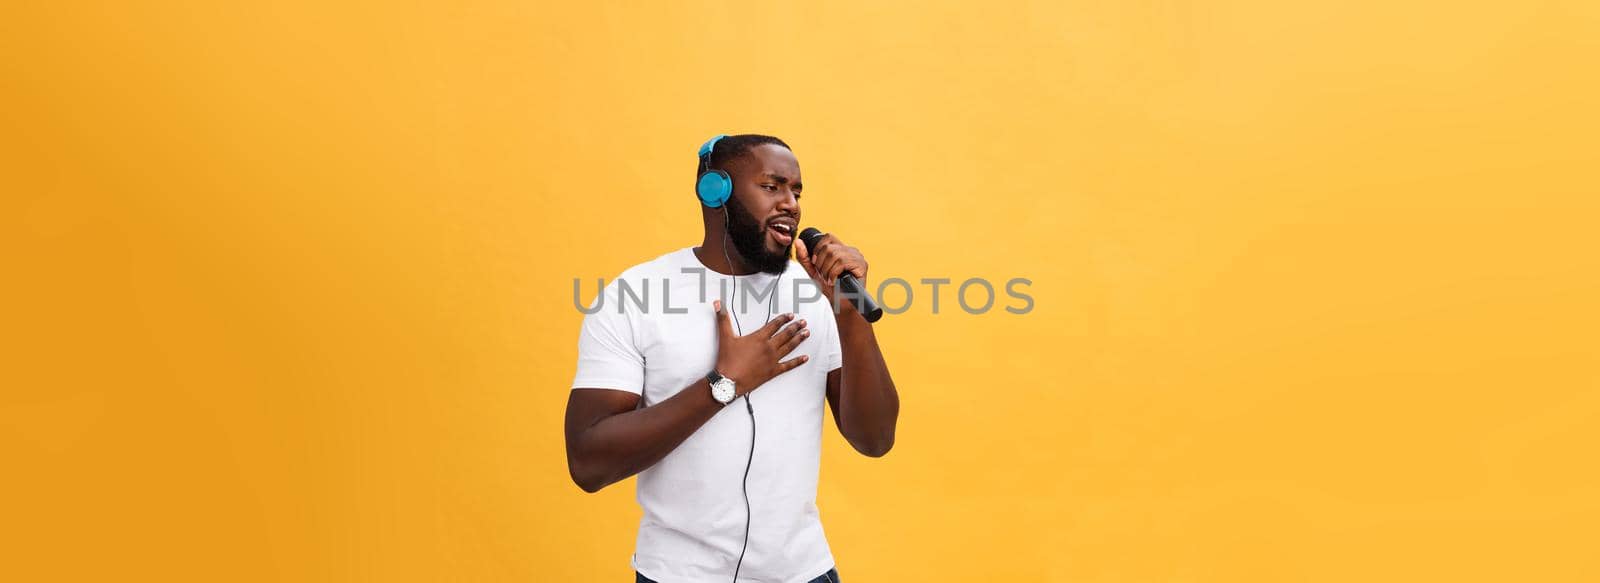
(681,348)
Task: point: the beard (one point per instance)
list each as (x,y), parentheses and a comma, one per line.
(750,240)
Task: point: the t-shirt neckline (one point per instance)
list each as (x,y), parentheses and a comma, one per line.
(694,261)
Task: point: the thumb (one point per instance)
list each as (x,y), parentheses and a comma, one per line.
(724,327)
(804,258)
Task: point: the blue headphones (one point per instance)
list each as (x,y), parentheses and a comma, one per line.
(714,186)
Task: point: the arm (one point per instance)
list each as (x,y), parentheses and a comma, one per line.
(865,403)
(609,438)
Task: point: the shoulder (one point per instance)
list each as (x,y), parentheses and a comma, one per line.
(635,280)
(666,264)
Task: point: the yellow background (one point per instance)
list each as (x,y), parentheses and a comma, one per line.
(288,286)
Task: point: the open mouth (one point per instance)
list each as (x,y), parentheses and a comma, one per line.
(782,231)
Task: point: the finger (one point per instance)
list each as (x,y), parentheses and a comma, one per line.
(787,332)
(804,258)
(843,266)
(835,268)
(724,326)
(793,341)
(859,270)
(826,269)
(772,327)
(790,364)
(819,250)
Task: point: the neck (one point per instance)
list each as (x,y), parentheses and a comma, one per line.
(716,252)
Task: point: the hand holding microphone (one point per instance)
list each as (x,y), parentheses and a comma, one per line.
(835,265)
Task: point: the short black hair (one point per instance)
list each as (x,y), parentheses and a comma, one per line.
(731,148)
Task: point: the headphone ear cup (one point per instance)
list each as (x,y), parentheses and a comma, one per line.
(714,188)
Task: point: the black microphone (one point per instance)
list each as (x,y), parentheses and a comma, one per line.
(847,282)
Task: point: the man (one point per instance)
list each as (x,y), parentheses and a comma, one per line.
(729,492)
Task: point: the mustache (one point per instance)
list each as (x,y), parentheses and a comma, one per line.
(750,240)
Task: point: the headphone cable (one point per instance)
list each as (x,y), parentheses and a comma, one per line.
(744,484)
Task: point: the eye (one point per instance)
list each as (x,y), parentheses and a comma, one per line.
(769,187)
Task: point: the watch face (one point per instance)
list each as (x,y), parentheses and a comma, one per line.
(722,391)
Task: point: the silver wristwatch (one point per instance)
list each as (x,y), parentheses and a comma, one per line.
(721,387)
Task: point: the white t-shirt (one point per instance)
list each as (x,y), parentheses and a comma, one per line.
(694,511)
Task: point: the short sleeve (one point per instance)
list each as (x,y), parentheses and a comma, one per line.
(608,357)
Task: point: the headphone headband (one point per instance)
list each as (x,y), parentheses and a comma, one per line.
(711,144)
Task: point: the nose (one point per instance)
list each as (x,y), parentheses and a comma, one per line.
(788,202)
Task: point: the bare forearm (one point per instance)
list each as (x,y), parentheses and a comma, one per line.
(625,444)
(869,406)
(609,438)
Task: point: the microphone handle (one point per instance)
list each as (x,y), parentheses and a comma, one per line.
(852,289)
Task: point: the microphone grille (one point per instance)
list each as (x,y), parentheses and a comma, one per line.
(809,235)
